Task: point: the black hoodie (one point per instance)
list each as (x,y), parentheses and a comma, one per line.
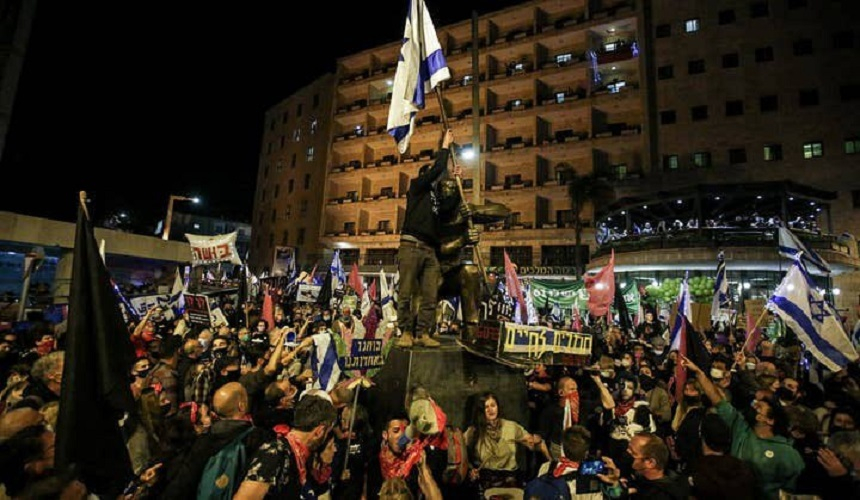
(669,487)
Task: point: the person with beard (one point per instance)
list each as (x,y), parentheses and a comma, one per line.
(566,411)
(279,401)
(392,454)
(685,443)
(26,457)
(230,403)
(280,468)
(349,483)
(840,419)
(803,426)
(628,417)
(720,475)
(650,480)
(656,396)
(758,437)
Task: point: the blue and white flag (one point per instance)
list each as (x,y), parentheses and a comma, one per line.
(685,310)
(721,289)
(555,314)
(530,306)
(324,363)
(790,245)
(389,310)
(420,67)
(799,303)
(338,277)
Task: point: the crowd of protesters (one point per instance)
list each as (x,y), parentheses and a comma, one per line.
(753,423)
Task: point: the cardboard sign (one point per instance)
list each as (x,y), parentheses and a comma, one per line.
(308,293)
(537,341)
(197,307)
(285,261)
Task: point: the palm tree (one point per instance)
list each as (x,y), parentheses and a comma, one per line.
(583,189)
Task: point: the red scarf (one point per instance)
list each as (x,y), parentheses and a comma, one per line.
(622,407)
(400,466)
(564,466)
(300,452)
(573,418)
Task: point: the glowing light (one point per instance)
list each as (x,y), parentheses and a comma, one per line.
(836,291)
(747,285)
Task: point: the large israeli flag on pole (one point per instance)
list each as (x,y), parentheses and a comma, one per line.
(802,308)
(685,310)
(324,363)
(790,245)
(338,277)
(721,289)
(420,67)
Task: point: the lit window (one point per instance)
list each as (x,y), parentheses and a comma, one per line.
(310,153)
(197,226)
(297,135)
(615,87)
(611,47)
(518,67)
(670,162)
(563,59)
(467,79)
(691,25)
(517,102)
(559,97)
(773,152)
(314,125)
(359,130)
(702,159)
(852,146)
(813,150)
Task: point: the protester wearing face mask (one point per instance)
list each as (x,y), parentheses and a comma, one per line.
(649,457)
(656,396)
(139,372)
(564,413)
(685,443)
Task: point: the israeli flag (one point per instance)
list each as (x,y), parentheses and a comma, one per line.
(338,277)
(685,310)
(389,310)
(803,309)
(721,289)
(530,306)
(420,68)
(790,246)
(324,362)
(555,315)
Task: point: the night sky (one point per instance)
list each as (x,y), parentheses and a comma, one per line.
(133,103)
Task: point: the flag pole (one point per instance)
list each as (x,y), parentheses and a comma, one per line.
(349,434)
(83,199)
(749,334)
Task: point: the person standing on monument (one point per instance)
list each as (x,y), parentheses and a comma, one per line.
(417,259)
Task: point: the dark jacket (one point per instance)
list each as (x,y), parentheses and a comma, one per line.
(723,476)
(422,204)
(669,487)
(183,479)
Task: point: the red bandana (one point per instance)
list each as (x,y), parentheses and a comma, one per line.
(564,466)
(300,451)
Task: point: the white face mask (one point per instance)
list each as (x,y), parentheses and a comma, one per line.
(606,374)
(750,366)
(717,374)
(658,352)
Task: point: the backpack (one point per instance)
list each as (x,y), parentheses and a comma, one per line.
(221,476)
(547,487)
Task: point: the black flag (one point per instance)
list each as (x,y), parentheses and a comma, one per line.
(624,320)
(325,295)
(95,391)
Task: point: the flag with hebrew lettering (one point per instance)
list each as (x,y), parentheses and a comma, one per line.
(212,249)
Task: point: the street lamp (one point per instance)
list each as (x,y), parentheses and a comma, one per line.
(166,235)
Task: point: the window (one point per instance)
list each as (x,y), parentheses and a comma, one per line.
(803,47)
(670,162)
(759,9)
(813,150)
(611,46)
(665,72)
(620,171)
(285,117)
(696,67)
(269,151)
(808,97)
(303,207)
(764,54)
(310,153)
(663,30)
(726,17)
(691,25)
(349,228)
(737,156)
(271,239)
(559,97)
(285,238)
(293,161)
(316,101)
(843,40)
(274,215)
(299,110)
(615,87)
(852,146)
(272,125)
(667,117)
(263,195)
(279,165)
(849,92)
(288,211)
(773,152)
(301,239)
(290,186)
(734,108)
(282,141)
(307,181)
(855,198)
(796,4)
(277,190)
(260,218)
(562,255)
(521,256)
(297,135)
(768,103)
(561,59)
(702,159)
(732,60)
(265,171)
(699,113)
(314,125)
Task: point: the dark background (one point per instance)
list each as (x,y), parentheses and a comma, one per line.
(133,102)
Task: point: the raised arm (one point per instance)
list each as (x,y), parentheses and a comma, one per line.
(605,397)
(708,387)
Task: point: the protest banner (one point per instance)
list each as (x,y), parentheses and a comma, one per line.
(197,307)
(213,249)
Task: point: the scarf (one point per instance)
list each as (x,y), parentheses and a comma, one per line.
(622,407)
(300,452)
(571,410)
(564,466)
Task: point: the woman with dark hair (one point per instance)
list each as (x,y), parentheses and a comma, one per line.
(492,442)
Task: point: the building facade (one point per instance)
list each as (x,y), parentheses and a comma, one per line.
(291,175)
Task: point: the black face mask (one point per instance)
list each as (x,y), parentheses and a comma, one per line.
(786,395)
(647,382)
(219,352)
(143,373)
(692,400)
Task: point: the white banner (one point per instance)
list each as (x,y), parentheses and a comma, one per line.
(308,293)
(285,261)
(212,249)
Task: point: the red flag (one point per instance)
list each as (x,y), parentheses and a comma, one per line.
(268,310)
(601,289)
(512,283)
(753,335)
(354,280)
(577,319)
(310,278)
(371,323)
(371,292)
